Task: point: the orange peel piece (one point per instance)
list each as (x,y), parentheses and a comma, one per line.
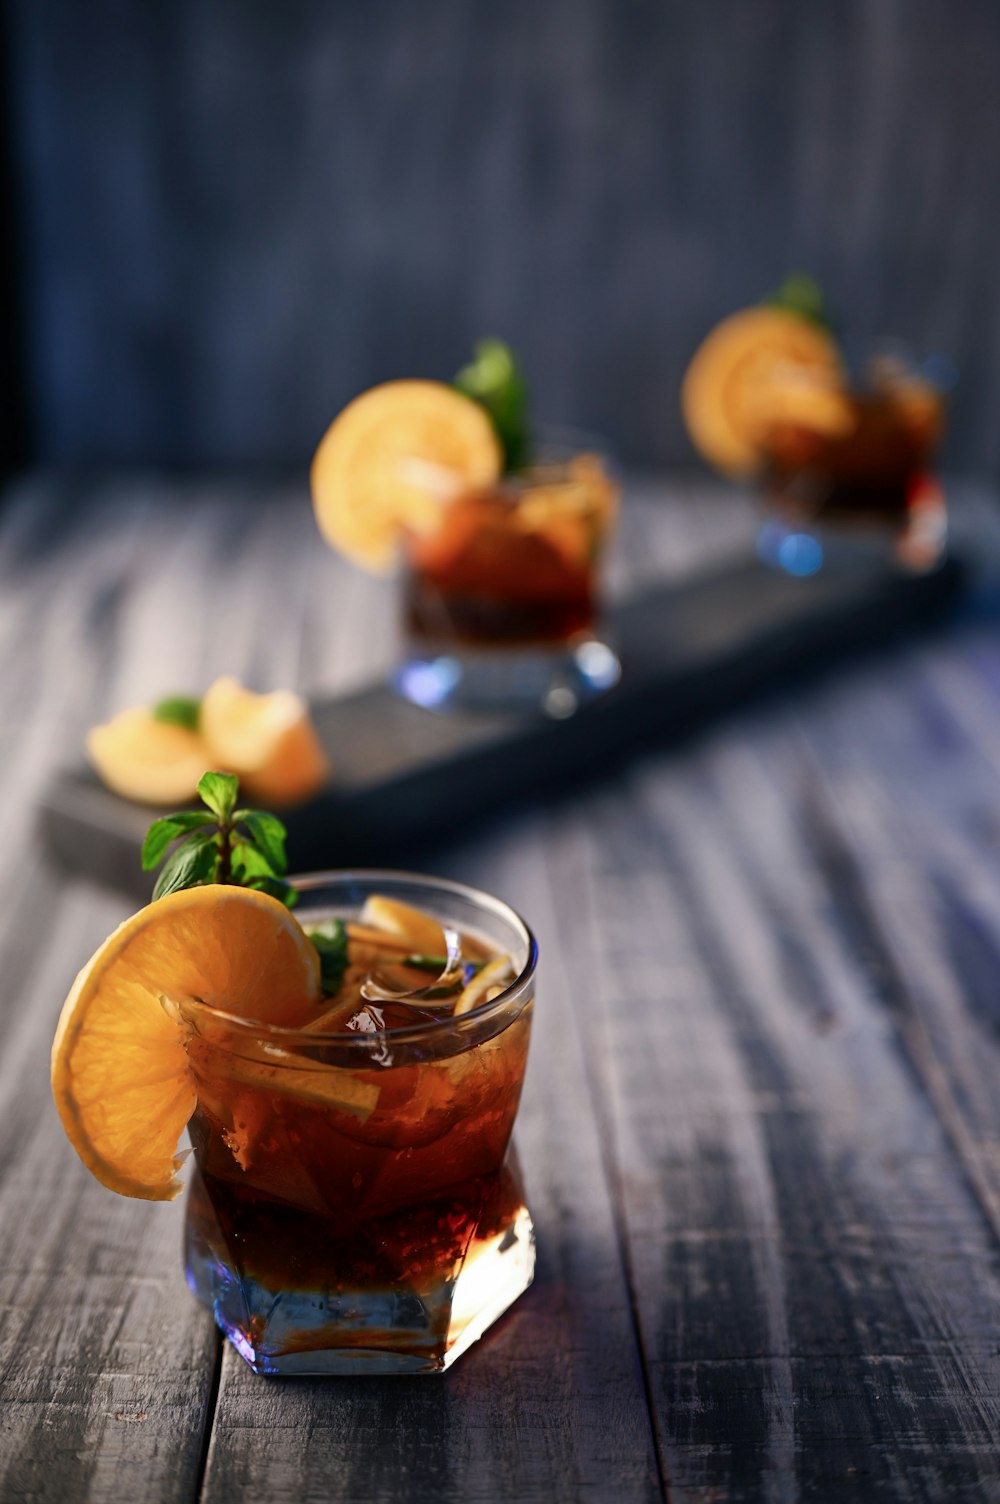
(495,976)
(421,934)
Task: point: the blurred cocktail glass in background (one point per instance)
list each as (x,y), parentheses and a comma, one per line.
(502,600)
(843,462)
(862,483)
(500,532)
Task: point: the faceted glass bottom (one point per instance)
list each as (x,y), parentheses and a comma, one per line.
(352,1329)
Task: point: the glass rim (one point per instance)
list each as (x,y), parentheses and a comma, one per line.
(559,444)
(311,881)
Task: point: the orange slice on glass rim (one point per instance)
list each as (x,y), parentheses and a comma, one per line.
(392,461)
(150,761)
(760,367)
(121,1076)
(268,740)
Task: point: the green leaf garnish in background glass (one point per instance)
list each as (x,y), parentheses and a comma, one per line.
(802,295)
(493,380)
(178,710)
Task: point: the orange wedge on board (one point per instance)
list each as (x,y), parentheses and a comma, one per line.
(121,1076)
(150,761)
(760,367)
(268,740)
(391,462)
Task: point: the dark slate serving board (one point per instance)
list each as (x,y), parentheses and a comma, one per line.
(405,775)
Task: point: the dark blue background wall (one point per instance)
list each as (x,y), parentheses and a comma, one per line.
(234,214)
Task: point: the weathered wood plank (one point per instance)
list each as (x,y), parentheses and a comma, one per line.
(105,1365)
(914,863)
(798,1226)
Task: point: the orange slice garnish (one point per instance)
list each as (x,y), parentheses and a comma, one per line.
(393,460)
(150,761)
(268,740)
(757,368)
(121,1076)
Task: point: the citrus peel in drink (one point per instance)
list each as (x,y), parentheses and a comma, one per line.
(121,1075)
(391,462)
(758,367)
(486,985)
(421,934)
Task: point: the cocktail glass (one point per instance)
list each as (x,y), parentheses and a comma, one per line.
(501,599)
(859,480)
(357,1205)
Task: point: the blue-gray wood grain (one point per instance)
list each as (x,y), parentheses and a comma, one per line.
(760,1126)
(233,217)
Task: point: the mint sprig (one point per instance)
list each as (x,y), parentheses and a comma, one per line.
(219,844)
(494,380)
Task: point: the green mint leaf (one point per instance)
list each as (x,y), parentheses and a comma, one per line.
(193,862)
(268,835)
(802,295)
(219,791)
(250,868)
(167,829)
(276,887)
(330,941)
(493,380)
(247,862)
(178,710)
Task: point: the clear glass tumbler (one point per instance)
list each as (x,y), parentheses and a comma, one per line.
(357,1206)
(855,481)
(501,601)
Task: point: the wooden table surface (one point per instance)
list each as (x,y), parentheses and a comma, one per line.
(761,1127)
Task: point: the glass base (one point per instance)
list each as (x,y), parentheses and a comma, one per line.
(556,681)
(915,544)
(364,1330)
(805,550)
